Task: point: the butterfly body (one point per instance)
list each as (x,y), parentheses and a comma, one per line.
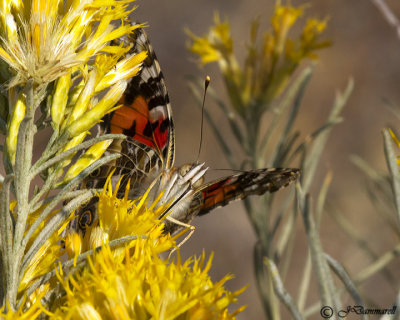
(147,155)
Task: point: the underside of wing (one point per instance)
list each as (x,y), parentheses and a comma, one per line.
(239,186)
(145,117)
(235,187)
(139,165)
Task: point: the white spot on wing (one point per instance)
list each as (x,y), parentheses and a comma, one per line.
(159,112)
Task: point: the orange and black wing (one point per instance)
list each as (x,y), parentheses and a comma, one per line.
(239,186)
(145,116)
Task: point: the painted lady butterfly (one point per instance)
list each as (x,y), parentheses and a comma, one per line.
(148,154)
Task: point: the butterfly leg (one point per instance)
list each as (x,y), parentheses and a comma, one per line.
(185,225)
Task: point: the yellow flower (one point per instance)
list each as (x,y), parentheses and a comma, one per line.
(134,282)
(216,45)
(124,69)
(42,262)
(144,286)
(268,66)
(46,257)
(396,141)
(110,73)
(60,99)
(117,218)
(95,114)
(17,115)
(90,156)
(282,21)
(45,39)
(27,310)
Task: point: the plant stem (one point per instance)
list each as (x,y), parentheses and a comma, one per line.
(23,163)
(6,233)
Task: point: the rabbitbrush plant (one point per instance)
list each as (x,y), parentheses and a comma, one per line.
(61,73)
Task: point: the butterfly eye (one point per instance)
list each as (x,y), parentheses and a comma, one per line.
(198,183)
(185,169)
(85,219)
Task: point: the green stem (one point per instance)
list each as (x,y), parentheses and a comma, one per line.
(47,186)
(281,291)
(345,278)
(314,156)
(325,281)
(72,184)
(391,160)
(51,226)
(23,164)
(6,231)
(67,196)
(43,164)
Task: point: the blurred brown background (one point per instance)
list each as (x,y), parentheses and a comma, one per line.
(365,48)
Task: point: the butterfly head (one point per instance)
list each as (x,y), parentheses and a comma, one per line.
(193,173)
(179,185)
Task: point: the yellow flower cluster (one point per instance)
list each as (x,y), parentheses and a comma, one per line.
(133,282)
(23,313)
(268,66)
(44,260)
(144,286)
(43,39)
(117,218)
(46,41)
(61,67)
(130,281)
(397,142)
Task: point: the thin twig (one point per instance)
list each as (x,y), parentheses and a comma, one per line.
(325,282)
(391,160)
(281,291)
(388,14)
(296,93)
(345,278)
(357,239)
(377,265)
(40,165)
(66,196)
(72,184)
(47,186)
(319,144)
(51,226)
(305,283)
(235,127)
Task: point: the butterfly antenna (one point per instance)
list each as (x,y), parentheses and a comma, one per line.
(206,83)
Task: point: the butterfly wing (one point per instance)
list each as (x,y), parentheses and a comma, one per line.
(235,187)
(239,186)
(145,117)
